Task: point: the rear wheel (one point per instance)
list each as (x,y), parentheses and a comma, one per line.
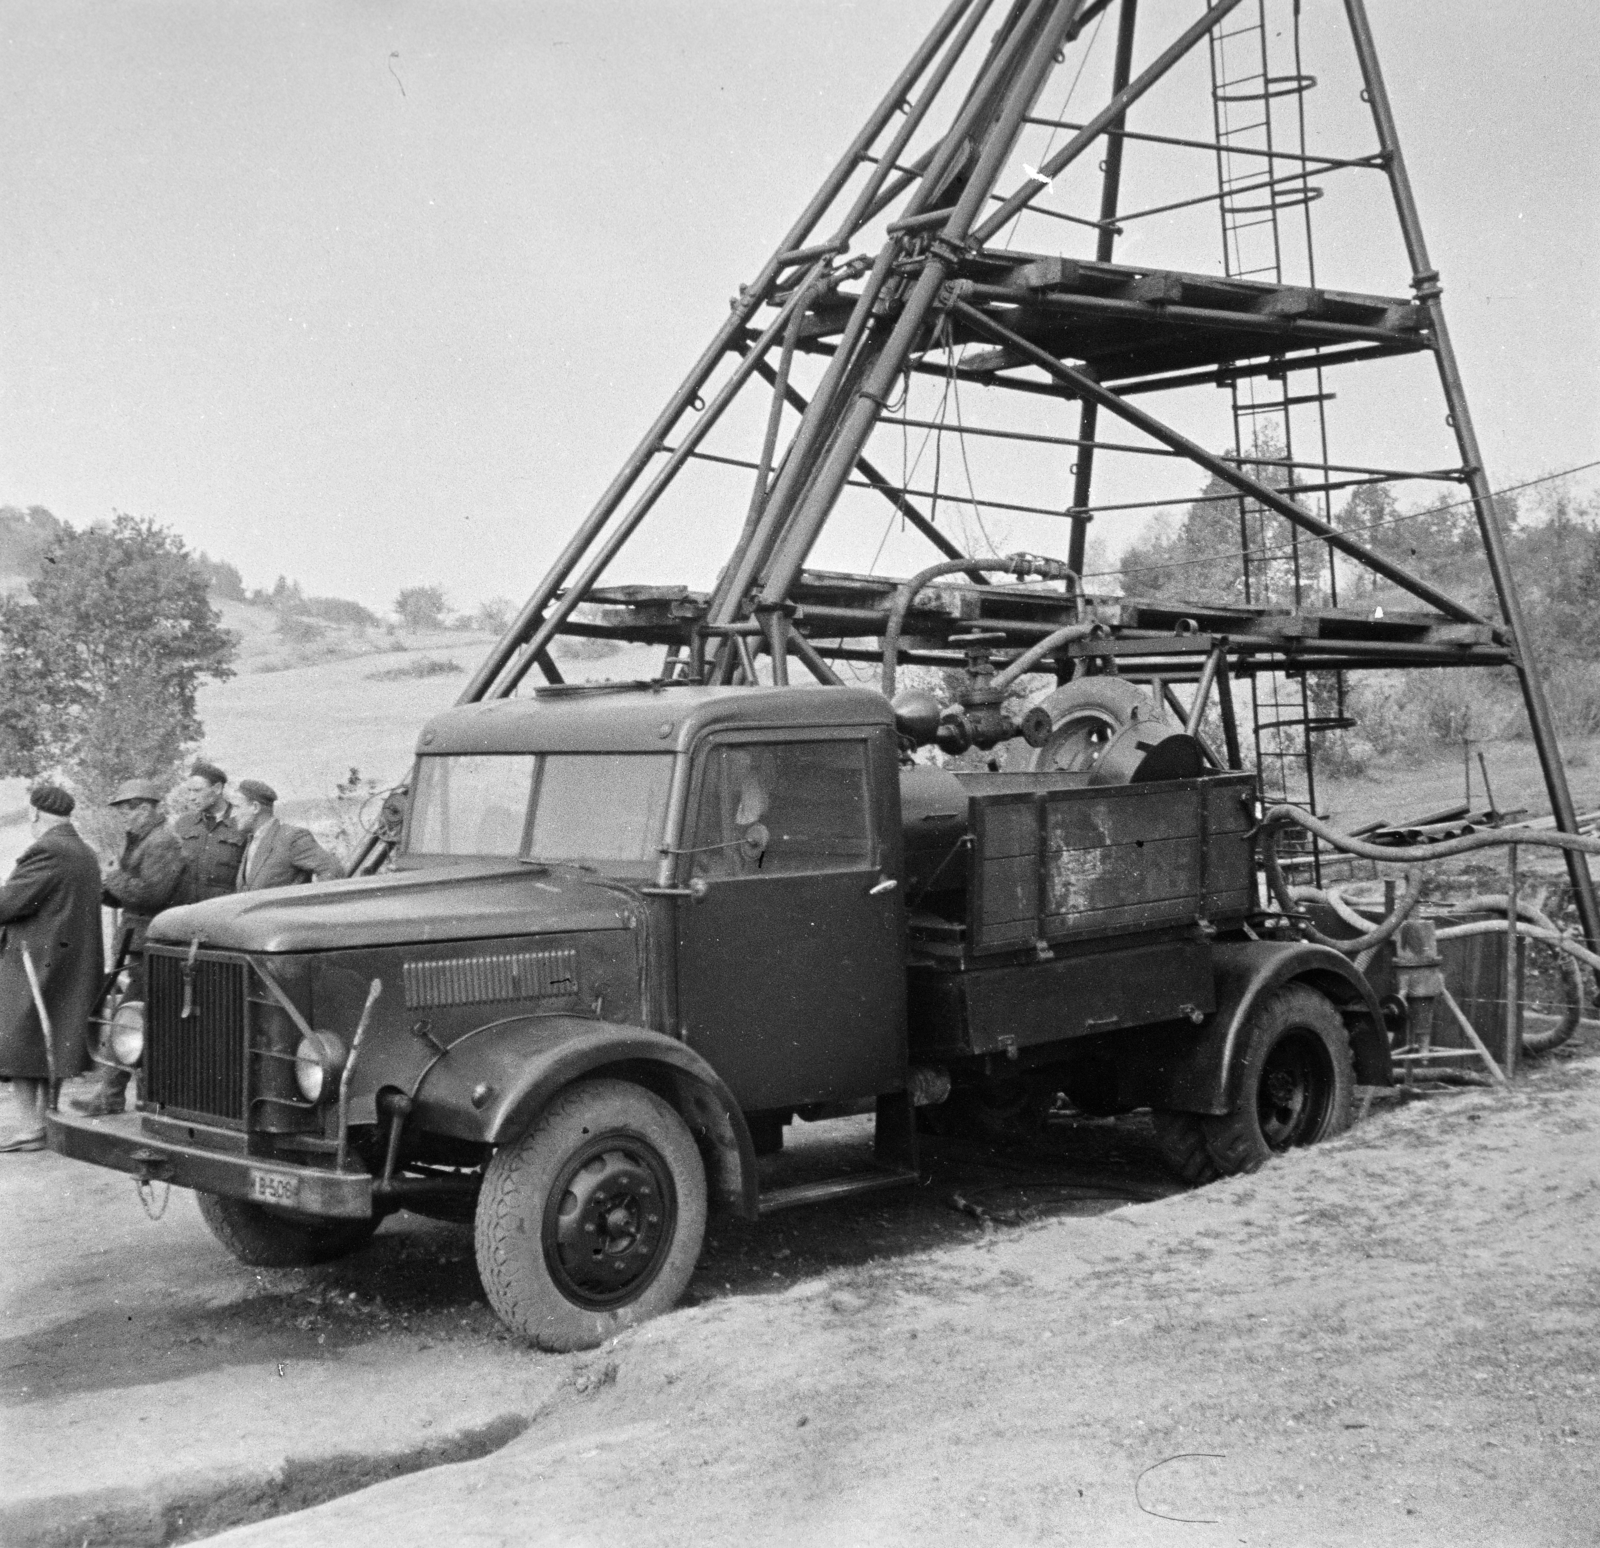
(594,1220)
(265,1237)
(1297,1083)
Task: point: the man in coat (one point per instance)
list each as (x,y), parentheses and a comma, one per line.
(142,883)
(278,853)
(213,842)
(50,907)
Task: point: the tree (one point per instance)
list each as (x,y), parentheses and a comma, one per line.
(223,578)
(101,659)
(24,536)
(493,616)
(420,607)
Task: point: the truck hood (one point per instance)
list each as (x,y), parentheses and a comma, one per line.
(402,908)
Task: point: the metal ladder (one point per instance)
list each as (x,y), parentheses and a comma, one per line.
(1265,194)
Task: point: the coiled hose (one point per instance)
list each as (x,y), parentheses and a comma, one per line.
(1531,923)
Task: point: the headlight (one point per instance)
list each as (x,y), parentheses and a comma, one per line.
(126,1033)
(318,1064)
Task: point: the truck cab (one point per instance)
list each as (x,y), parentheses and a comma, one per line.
(630,931)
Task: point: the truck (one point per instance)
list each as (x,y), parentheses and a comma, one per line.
(632,931)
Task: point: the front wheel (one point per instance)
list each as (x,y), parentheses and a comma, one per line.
(593,1221)
(265,1237)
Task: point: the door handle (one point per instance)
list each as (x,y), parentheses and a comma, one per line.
(888,884)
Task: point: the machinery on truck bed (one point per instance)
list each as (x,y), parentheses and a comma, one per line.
(620,935)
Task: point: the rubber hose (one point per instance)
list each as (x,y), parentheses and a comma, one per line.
(1397,854)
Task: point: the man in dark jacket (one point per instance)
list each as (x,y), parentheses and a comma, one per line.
(50,909)
(213,843)
(278,854)
(142,883)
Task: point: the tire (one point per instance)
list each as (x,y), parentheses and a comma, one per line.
(1297,1083)
(569,1250)
(1084,716)
(1181,1140)
(265,1237)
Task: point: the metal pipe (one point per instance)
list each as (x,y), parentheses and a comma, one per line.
(1226,471)
(1105,243)
(1115,109)
(1028,78)
(906,593)
(865,205)
(550,624)
(749,302)
(1176,706)
(1425,282)
(887,487)
(1230,714)
(1208,673)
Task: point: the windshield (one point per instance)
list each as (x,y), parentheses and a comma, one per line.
(592,808)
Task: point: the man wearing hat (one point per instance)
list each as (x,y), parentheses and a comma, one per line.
(142,883)
(278,854)
(50,909)
(213,842)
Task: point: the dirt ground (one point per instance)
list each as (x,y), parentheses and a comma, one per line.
(1388,1339)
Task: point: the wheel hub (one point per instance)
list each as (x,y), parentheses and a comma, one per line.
(609,1222)
(1292,1094)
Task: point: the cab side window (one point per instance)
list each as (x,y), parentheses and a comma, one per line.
(770,808)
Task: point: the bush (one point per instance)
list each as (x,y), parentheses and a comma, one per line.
(339,610)
(580,647)
(423,666)
(299,630)
(420,607)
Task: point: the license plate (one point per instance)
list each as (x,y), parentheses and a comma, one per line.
(274,1187)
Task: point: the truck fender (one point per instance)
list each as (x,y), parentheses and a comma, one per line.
(492,1084)
(1199,1072)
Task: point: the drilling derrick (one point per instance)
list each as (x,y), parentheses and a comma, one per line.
(952,338)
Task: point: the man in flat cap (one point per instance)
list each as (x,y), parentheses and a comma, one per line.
(144,881)
(278,854)
(212,840)
(50,910)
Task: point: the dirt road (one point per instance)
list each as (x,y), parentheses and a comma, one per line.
(1385,1340)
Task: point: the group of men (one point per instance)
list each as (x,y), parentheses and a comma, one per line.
(51,945)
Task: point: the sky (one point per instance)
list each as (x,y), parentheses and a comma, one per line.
(380,295)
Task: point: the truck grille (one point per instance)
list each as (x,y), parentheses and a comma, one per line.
(195,1064)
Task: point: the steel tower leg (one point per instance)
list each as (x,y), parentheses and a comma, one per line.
(1425,282)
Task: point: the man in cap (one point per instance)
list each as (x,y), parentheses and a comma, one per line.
(278,854)
(50,910)
(212,840)
(143,882)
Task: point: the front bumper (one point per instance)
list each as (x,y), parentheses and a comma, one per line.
(121,1143)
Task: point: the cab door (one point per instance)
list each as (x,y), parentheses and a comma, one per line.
(790,962)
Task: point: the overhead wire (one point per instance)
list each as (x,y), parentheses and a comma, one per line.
(1388,521)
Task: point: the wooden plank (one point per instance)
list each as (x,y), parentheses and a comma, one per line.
(1133,916)
(1228,805)
(1082,880)
(1008,888)
(1121,814)
(1006,825)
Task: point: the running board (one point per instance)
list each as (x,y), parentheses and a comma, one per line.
(832,1188)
